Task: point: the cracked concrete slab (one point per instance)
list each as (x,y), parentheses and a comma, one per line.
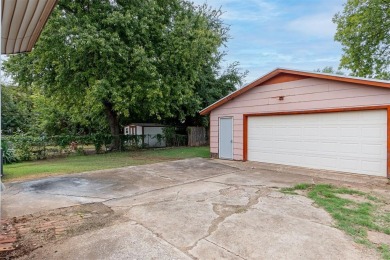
(267,178)
(27,197)
(28,203)
(284,175)
(294,206)
(198,208)
(176,221)
(198,191)
(123,241)
(265,234)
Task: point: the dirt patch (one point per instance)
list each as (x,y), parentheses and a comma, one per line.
(8,236)
(378,238)
(29,232)
(355,198)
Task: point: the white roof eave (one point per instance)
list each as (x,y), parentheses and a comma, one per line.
(22,23)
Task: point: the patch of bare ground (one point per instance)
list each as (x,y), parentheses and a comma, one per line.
(21,235)
(378,238)
(355,198)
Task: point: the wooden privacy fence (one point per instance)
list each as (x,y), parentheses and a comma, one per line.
(196,136)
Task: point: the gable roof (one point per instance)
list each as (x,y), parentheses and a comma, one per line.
(280,75)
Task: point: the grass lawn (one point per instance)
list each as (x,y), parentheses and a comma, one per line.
(355,212)
(81,163)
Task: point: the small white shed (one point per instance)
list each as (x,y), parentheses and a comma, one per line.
(152,133)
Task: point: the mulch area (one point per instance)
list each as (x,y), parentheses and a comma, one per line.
(19,236)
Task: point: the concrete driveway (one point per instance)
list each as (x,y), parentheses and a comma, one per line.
(195,209)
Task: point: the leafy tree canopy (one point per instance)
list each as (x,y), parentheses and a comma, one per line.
(363,28)
(53,117)
(330,70)
(128,59)
(16,109)
(27,110)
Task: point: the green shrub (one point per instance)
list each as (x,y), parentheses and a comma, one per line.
(8,152)
(169,135)
(26,147)
(174,139)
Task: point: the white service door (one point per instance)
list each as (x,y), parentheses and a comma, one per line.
(226,138)
(353,142)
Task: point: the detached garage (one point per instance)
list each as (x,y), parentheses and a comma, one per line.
(306,119)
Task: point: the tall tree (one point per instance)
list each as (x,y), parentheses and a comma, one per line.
(139,59)
(363,28)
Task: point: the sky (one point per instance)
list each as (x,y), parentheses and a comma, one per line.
(269,34)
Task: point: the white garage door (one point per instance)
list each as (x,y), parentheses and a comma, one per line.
(344,141)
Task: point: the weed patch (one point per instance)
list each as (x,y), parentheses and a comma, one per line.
(355,212)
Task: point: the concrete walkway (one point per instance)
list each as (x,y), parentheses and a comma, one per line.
(195,209)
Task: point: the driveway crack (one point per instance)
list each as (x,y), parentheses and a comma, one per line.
(227,250)
(145,204)
(165,177)
(166,187)
(224,211)
(161,237)
(235,185)
(78,196)
(177,194)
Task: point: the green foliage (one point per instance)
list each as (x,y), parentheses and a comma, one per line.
(25,147)
(180,140)
(330,70)
(212,86)
(363,29)
(8,152)
(132,142)
(63,141)
(172,138)
(385,250)
(99,140)
(352,217)
(53,116)
(133,60)
(300,186)
(169,134)
(159,138)
(16,106)
(27,110)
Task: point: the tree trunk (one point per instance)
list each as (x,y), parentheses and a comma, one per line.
(113,121)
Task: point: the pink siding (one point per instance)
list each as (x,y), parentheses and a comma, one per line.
(300,95)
